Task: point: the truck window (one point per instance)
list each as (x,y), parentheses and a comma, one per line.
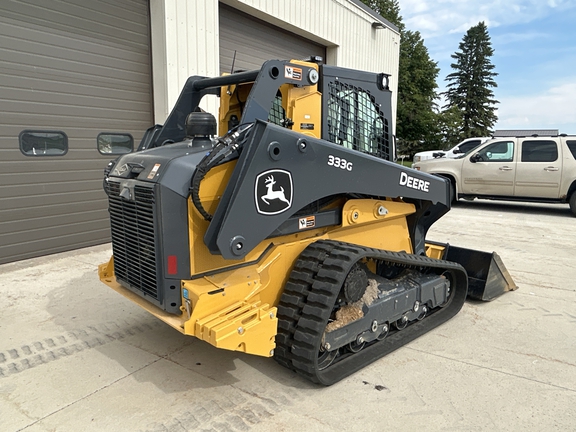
(468,145)
(572,146)
(539,151)
(502,151)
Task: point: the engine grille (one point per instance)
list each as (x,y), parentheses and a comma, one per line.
(133,238)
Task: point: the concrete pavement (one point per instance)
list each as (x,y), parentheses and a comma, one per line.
(74,355)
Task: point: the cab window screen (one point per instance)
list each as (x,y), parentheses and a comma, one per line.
(277,114)
(354,120)
(539,151)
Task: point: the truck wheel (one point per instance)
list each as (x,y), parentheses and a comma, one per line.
(453,198)
(573,203)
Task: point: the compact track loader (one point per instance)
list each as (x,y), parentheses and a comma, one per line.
(292,232)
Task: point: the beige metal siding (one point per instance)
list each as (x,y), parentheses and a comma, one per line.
(340,24)
(186,35)
(255,41)
(184,43)
(343,26)
(80,67)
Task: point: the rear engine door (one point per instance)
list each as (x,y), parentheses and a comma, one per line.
(539,170)
(490,170)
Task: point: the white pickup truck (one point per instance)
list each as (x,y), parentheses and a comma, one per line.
(460,148)
(536,169)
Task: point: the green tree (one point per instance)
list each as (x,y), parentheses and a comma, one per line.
(416,122)
(416,118)
(470,86)
(449,127)
(389,9)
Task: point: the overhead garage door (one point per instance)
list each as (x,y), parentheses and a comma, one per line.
(256,41)
(70,69)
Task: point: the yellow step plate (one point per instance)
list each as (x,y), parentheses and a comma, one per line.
(246,327)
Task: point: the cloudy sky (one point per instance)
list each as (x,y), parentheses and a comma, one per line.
(534,45)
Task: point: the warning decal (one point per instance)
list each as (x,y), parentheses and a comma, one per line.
(293,73)
(307,222)
(153,171)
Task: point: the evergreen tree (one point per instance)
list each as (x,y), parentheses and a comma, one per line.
(416,123)
(470,85)
(389,9)
(449,127)
(416,119)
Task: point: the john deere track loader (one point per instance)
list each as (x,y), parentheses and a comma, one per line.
(291,232)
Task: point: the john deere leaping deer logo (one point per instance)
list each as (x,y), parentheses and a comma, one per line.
(273,192)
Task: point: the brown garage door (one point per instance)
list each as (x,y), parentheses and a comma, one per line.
(70,69)
(256,41)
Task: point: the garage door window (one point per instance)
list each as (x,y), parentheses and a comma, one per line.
(539,151)
(43,143)
(115,143)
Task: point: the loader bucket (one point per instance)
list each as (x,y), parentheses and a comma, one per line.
(488,277)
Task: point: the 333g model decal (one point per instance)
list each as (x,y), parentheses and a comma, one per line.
(341,163)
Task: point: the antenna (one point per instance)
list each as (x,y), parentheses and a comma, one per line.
(231,72)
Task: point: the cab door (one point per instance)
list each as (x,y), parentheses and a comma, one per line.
(491,170)
(539,170)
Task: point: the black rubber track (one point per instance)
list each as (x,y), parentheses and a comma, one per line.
(312,290)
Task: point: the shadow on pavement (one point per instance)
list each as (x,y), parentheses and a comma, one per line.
(92,317)
(510,207)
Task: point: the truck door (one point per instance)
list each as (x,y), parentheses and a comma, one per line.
(539,170)
(490,170)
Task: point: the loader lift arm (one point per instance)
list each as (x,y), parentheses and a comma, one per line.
(238,225)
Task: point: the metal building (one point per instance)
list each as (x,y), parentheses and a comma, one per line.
(81,80)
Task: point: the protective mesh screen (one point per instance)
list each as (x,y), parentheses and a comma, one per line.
(355,121)
(277,115)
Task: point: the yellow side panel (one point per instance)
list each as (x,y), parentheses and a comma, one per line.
(229,308)
(304,106)
(305,113)
(232,100)
(362,224)
(211,190)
